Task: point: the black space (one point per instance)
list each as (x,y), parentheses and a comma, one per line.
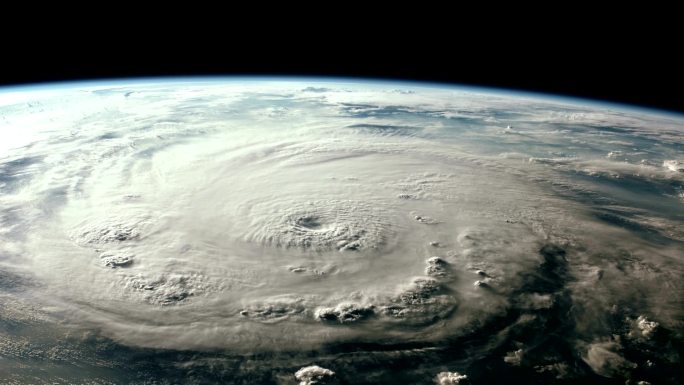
(639,66)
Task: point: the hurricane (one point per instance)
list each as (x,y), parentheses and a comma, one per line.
(284,231)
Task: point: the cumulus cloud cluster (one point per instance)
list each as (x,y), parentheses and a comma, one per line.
(314,374)
(451,378)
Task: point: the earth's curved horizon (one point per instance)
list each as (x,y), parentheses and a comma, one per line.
(316,230)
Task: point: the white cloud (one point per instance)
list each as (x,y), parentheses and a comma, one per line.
(314,374)
(451,378)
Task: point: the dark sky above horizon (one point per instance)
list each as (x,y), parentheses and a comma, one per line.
(621,67)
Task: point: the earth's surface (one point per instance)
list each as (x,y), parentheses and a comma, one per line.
(271,231)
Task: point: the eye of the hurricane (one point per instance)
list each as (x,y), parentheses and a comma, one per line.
(319,226)
(309,223)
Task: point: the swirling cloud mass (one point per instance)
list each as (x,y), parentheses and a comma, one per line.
(282,232)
